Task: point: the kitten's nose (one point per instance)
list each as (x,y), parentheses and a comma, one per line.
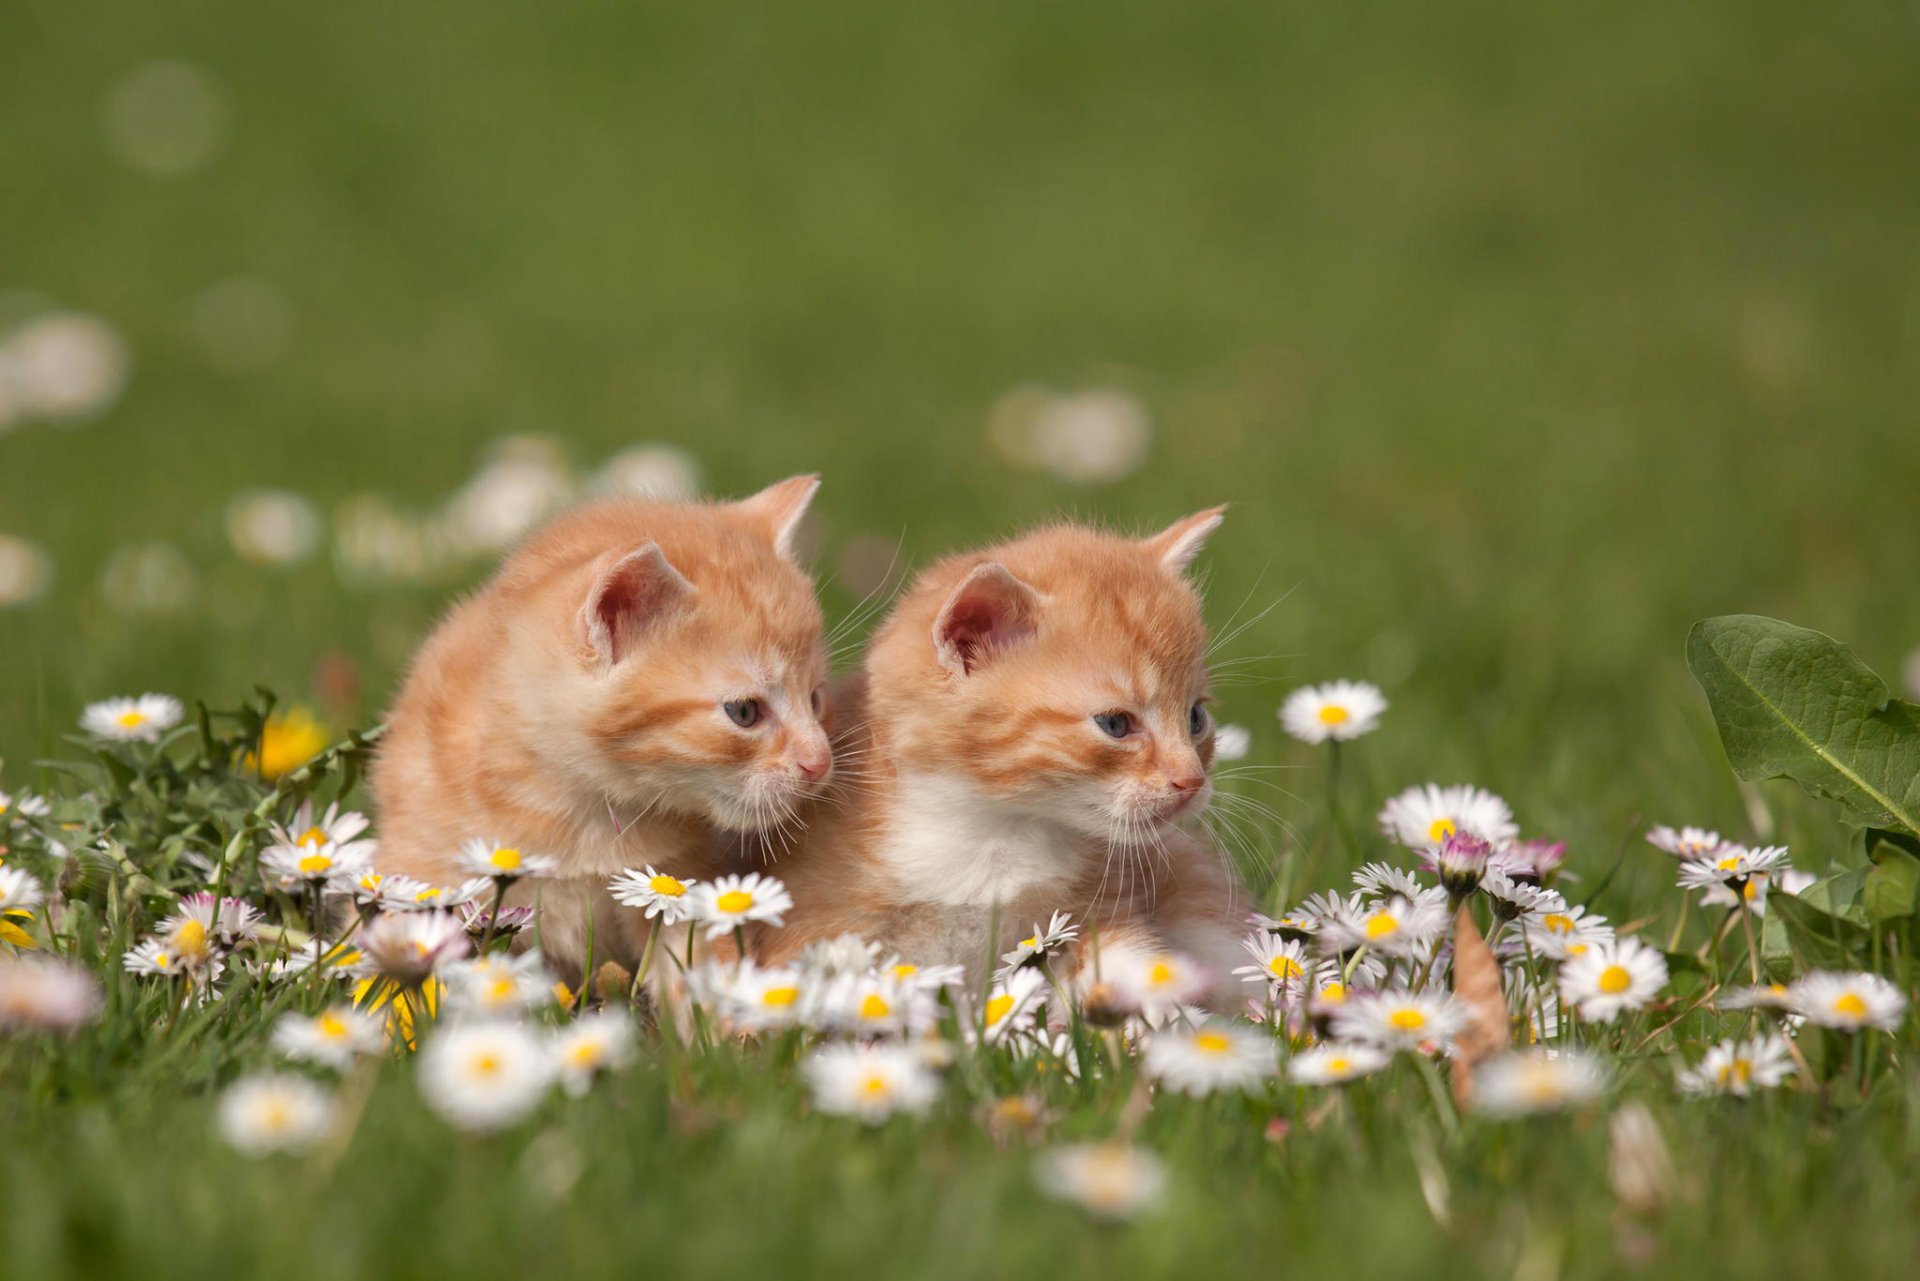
(814,766)
(1188,782)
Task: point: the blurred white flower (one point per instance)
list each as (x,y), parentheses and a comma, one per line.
(409,946)
(1739,1067)
(524,482)
(44,994)
(25,571)
(1092,437)
(491,859)
(166,118)
(1525,1083)
(1848,1001)
(375,541)
(1334,1064)
(1337,711)
(128,720)
(650,471)
(485,1076)
(274,1113)
(1624,974)
(241,324)
(64,365)
(1231,742)
(333,1038)
(1910,674)
(591,1045)
(1399,1020)
(1107,1180)
(273,527)
(733,901)
(148,578)
(871,1082)
(497,986)
(1213,1056)
(1420,818)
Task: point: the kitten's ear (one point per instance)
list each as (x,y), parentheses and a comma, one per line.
(1177,544)
(778,509)
(627,597)
(989,610)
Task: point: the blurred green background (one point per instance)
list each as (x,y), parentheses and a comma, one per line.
(1519,335)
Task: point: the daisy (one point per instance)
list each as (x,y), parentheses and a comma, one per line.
(484,923)
(325,866)
(665,898)
(226,922)
(1335,1064)
(20,892)
(1011,1005)
(1532,1081)
(1153,984)
(845,954)
(274,1113)
(1610,977)
(1395,927)
(484,1076)
(1280,963)
(405,894)
(1534,860)
(1513,898)
(759,1000)
(1213,1056)
(1753,895)
(501,863)
(342,830)
(1336,711)
(1765,996)
(732,901)
(47,995)
(1731,865)
(870,1082)
(1107,1180)
(495,986)
(1565,933)
(1297,925)
(132,720)
(1461,862)
(1042,943)
(869,1005)
(1231,743)
(1383,880)
(1420,818)
(332,1038)
(409,946)
(590,1045)
(14,808)
(1739,1067)
(1398,1020)
(1687,844)
(924,978)
(1848,1001)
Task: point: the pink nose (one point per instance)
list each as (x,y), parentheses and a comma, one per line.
(813,768)
(1188,783)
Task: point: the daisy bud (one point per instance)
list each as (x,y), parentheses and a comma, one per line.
(1462,862)
(1104,1006)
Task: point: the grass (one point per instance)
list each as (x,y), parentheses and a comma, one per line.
(1519,336)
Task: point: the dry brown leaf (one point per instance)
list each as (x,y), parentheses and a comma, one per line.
(1476,984)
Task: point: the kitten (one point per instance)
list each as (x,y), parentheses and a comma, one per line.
(1029,732)
(640,683)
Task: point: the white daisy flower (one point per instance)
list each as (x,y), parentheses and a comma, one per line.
(1153,984)
(44,994)
(1331,985)
(845,954)
(923,978)
(132,720)
(1730,865)
(871,1082)
(759,1000)
(1297,924)
(666,898)
(1011,1006)
(1212,1056)
(1688,843)
(14,808)
(1398,1020)
(329,866)
(20,892)
(1420,818)
(1394,927)
(1568,932)
(870,1005)
(1335,1063)
(274,1113)
(1625,974)
(1848,1001)
(1280,963)
(341,830)
(1334,712)
(1533,1081)
(485,1075)
(409,946)
(405,894)
(732,901)
(1384,880)
(1511,898)
(1462,862)
(1765,996)
(1739,1067)
(223,922)
(1231,743)
(1042,943)
(1108,1180)
(591,1045)
(498,862)
(497,986)
(332,1038)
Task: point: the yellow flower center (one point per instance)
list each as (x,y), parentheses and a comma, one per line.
(1557,923)
(160,960)
(190,939)
(1031,943)
(500,990)
(1729,863)
(1440,829)
(1334,993)
(314,864)
(1751,890)
(1407,1019)
(505,860)
(780,996)
(1739,1071)
(331,1026)
(131,719)
(585,1054)
(1334,714)
(313,836)
(733,902)
(1576,949)
(904,971)
(873,1085)
(487,1064)
(874,1006)
(1615,979)
(1285,967)
(1339,1067)
(670,886)
(1160,974)
(431,894)
(275,1116)
(1211,1043)
(1382,924)
(1850,1004)
(998,1008)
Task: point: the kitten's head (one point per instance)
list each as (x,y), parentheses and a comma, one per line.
(684,666)
(1062,674)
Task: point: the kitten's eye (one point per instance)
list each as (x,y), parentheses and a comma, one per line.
(819,702)
(1197,720)
(744,712)
(1114,724)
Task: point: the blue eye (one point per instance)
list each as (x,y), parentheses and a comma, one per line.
(1197,720)
(744,712)
(1114,724)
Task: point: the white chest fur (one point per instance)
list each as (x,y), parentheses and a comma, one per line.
(946,843)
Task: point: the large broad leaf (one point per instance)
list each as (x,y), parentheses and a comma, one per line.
(1793,703)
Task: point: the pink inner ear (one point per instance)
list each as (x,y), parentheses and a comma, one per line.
(628,597)
(970,629)
(990,610)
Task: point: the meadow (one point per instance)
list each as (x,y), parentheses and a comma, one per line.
(1520,338)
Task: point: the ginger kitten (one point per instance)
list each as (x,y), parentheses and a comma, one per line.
(639,683)
(1029,733)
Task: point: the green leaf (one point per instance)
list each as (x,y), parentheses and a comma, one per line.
(1796,704)
(1893,886)
(1816,938)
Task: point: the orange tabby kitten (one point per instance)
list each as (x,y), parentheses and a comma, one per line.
(1029,733)
(639,684)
